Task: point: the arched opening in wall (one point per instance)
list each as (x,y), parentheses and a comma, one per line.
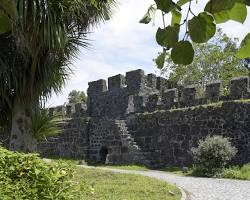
(103,154)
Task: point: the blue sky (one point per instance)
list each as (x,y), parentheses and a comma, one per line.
(122,44)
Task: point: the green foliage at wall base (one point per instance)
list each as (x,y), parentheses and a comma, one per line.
(26,176)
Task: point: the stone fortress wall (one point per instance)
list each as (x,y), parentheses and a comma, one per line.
(140,119)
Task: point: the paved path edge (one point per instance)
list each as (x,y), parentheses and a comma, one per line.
(184,195)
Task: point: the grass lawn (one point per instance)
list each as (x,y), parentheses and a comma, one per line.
(82,162)
(110,186)
(126,167)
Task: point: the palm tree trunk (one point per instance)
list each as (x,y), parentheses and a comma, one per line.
(22,138)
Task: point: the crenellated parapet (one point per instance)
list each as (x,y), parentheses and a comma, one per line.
(122,95)
(70,110)
(138,92)
(187,96)
(135,82)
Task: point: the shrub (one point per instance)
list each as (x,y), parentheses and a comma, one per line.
(26,176)
(212,155)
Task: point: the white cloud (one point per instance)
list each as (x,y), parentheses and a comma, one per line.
(122,44)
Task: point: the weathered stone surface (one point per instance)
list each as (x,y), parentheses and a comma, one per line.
(213,91)
(152,102)
(80,110)
(239,87)
(136,81)
(71,143)
(169,97)
(109,104)
(112,135)
(174,133)
(116,82)
(188,95)
(161,83)
(97,87)
(152,81)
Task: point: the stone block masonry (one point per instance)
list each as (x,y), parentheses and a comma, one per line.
(169,135)
(138,118)
(71,143)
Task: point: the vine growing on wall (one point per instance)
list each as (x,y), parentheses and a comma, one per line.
(198,28)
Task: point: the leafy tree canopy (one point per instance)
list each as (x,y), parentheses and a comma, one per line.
(77,96)
(213,61)
(198,28)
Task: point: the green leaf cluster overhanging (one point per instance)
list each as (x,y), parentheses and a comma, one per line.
(199,28)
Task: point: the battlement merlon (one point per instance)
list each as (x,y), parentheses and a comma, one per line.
(116,82)
(213,90)
(97,87)
(239,87)
(189,93)
(152,81)
(136,81)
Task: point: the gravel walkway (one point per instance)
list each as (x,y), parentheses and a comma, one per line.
(201,188)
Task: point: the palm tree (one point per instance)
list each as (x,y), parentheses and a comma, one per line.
(41,39)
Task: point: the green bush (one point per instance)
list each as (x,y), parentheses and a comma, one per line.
(212,155)
(26,176)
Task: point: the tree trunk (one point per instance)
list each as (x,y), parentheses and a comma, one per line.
(22,138)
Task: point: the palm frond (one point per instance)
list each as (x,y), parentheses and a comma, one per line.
(45,125)
(35,57)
